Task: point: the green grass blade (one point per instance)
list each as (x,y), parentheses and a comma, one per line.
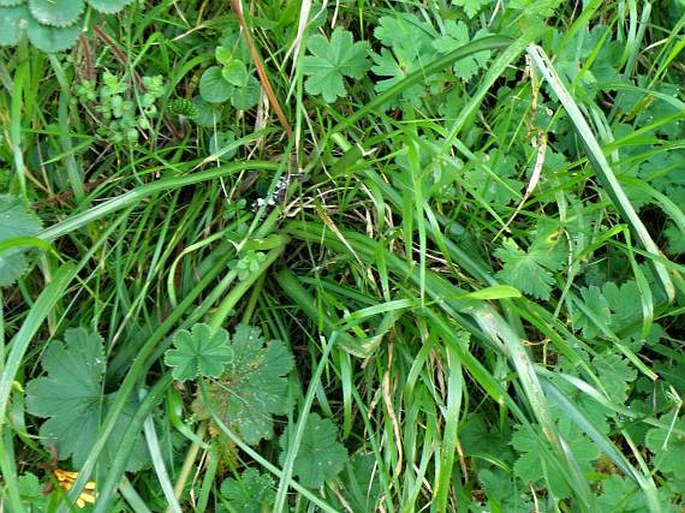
(47,300)
(133,197)
(159,465)
(587,426)
(604,172)
(258,457)
(291,454)
(50,295)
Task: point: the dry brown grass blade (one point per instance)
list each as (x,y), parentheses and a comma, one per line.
(263,78)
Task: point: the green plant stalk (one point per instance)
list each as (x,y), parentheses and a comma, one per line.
(188,462)
(636,41)
(21,77)
(129,493)
(229,302)
(248,312)
(291,454)
(171,291)
(113,479)
(23,242)
(292,287)
(512,51)
(9,471)
(211,465)
(455,392)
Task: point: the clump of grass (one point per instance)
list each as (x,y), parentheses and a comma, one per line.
(391,259)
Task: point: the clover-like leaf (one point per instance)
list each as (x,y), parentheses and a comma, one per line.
(222,145)
(198,353)
(213,86)
(16,220)
(246,96)
(253,387)
(71,397)
(331,60)
(56,13)
(235,72)
(206,114)
(248,264)
(320,456)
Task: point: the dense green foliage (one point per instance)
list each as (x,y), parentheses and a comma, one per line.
(376,256)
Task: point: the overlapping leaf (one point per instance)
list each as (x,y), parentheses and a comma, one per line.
(198,353)
(16,220)
(320,457)
(72,400)
(253,386)
(330,61)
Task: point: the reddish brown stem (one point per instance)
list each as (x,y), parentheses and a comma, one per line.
(264,79)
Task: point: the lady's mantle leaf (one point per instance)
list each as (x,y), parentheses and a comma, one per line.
(109,6)
(408,46)
(253,387)
(198,353)
(15,221)
(252,493)
(524,270)
(52,39)
(330,61)
(72,389)
(529,271)
(57,13)
(71,396)
(13,19)
(594,302)
(320,456)
(457,35)
(532,463)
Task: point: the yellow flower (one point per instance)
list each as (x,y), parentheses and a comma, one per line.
(66,478)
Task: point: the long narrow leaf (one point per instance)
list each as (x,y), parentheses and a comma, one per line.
(604,172)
